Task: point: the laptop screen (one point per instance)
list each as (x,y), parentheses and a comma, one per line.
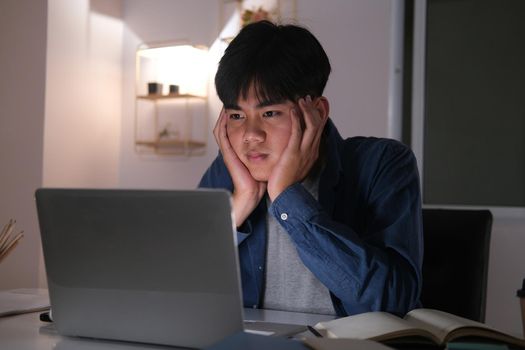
(141,265)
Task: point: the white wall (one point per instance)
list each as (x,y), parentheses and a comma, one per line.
(22,83)
(506,270)
(83,101)
(356,36)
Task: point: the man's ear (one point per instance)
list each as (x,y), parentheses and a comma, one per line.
(323,107)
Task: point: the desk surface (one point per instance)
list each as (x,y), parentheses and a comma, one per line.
(27,332)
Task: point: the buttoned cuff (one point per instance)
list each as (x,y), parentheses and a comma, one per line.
(294,203)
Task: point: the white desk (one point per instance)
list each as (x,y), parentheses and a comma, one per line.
(27,332)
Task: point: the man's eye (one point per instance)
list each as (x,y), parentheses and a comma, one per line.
(270,114)
(235,116)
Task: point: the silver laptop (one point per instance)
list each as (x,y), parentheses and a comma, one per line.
(147,266)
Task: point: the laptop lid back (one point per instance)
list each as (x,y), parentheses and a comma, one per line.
(147,266)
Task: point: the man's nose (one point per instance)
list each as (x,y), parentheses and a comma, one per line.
(254,131)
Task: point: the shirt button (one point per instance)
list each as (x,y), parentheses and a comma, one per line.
(260,267)
(284,216)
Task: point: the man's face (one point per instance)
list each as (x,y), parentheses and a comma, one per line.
(259,132)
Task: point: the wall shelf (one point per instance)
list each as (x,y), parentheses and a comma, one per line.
(171,123)
(165,124)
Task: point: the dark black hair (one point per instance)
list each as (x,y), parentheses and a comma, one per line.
(283,62)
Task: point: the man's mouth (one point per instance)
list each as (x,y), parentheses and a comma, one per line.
(254,156)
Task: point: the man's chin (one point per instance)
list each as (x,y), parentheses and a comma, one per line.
(260,176)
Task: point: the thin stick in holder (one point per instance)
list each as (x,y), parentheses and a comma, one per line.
(7,243)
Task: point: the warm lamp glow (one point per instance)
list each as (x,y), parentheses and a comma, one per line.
(182,65)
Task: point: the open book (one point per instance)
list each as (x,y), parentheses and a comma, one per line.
(420,324)
(19,301)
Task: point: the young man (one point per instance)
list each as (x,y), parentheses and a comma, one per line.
(325,225)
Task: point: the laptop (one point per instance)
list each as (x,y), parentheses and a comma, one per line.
(148,266)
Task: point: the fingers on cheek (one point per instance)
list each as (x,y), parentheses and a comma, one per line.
(298,115)
(223,136)
(224,122)
(304,113)
(309,113)
(297,124)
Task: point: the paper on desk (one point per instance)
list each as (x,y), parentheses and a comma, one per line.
(19,301)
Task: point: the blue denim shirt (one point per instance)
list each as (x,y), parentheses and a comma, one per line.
(363,237)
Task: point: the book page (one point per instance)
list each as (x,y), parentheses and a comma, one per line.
(448,326)
(371,325)
(440,323)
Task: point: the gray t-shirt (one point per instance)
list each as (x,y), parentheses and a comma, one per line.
(290,285)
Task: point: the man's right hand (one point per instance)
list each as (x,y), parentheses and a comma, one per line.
(247,192)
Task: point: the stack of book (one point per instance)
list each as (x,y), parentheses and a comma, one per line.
(8,241)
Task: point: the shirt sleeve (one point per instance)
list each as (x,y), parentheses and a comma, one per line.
(217,176)
(379,269)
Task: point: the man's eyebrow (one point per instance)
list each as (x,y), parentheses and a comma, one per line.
(261,104)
